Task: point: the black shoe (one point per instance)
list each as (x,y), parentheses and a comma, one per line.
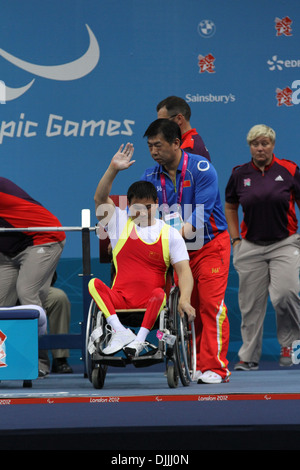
(43,373)
(246,366)
(61,366)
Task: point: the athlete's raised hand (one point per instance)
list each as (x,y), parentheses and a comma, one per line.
(122,159)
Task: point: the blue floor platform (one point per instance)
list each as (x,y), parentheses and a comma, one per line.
(137,411)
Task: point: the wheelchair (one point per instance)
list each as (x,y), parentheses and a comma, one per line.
(175,337)
(176,344)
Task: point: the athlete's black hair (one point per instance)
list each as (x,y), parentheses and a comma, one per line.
(141,190)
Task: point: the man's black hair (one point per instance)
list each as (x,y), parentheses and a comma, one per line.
(175,105)
(169,129)
(141,190)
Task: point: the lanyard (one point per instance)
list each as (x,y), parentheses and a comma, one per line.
(180,189)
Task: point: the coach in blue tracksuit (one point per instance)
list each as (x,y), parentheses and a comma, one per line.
(187,187)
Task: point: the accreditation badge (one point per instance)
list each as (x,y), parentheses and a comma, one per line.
(174,219)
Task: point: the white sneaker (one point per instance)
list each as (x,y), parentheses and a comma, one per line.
(197,375)
(209,377)
(118,340)
(134,348)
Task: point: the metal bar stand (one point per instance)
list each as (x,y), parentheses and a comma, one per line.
(86,276)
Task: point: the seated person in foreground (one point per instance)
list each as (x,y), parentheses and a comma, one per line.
(143,248)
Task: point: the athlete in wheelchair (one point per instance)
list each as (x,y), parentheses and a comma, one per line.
(143,249)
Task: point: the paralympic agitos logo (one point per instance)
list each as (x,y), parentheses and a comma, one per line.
(69,71)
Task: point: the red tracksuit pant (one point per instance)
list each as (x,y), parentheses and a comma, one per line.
(210,268)
(110,300)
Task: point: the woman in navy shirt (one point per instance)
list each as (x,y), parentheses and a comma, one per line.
(266,250)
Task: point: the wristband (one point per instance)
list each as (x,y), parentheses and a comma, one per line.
(234,240)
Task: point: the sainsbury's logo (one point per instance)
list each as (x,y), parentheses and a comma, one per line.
(210,98)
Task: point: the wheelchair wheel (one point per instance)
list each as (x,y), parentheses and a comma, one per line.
(185,345)
(172,374)
(98,376)
(90,325)
(96,372)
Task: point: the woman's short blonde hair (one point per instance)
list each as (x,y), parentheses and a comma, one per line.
(261,130)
